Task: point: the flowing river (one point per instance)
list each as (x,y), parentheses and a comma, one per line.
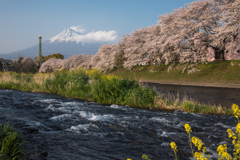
(59,128)
(207,95)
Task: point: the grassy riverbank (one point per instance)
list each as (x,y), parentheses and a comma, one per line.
(106,89)
(226,72)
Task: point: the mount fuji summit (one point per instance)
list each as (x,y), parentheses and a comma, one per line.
(70,41)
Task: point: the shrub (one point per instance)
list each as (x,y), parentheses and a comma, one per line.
(57,84)
(110,89)
(57,55)
(141,97)
(26,65)
(79,79)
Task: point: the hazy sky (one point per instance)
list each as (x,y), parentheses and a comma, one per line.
(21,21)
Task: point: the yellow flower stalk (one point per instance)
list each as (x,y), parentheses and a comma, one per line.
(189,130)
(174,148)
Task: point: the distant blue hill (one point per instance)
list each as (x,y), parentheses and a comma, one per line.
(65,48)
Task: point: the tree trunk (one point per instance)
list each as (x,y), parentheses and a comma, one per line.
(222,55)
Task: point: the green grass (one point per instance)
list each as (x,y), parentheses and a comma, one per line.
(10,143)
(214,72)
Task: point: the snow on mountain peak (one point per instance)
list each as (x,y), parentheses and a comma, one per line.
(78,29)
(75,34)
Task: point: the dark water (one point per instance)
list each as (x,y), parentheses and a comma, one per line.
(207,95)
(71,129)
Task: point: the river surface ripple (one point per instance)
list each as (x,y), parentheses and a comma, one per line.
(72,129)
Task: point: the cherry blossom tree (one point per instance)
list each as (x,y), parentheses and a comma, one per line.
(104,59)
(213,22)
(229,30)
(72,62)
(181,28)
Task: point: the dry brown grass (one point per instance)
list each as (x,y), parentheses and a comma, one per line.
(40,77)
(7,77)
(165,104)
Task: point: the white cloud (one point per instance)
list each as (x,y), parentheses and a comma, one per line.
(98,36)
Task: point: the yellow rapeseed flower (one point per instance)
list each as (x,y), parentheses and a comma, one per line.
(204,150)
(197,142)
(232,135)
(173,146)
(145,157)
(233,141)
(187,128)
(200,156)
(222,151)
(236,110)
(238,128)
(110,77)
(236,148)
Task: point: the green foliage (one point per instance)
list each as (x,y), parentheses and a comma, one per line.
(104,89)
(123,92)
(141,97)
(57,55)
(23,77)
(17,76)
(95,75)
(57,84)
(39,60)
(79,79)
(110,91)
(190,106)
(10,144)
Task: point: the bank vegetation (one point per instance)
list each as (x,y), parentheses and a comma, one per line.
(94,86)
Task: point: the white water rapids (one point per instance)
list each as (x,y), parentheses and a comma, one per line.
(71,129)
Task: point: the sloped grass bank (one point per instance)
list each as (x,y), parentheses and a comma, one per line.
(226,72)
(101,88)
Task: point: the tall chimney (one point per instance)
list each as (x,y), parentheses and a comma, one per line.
(40,46)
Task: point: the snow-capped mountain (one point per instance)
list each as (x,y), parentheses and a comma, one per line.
(68,35)
(70,41)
